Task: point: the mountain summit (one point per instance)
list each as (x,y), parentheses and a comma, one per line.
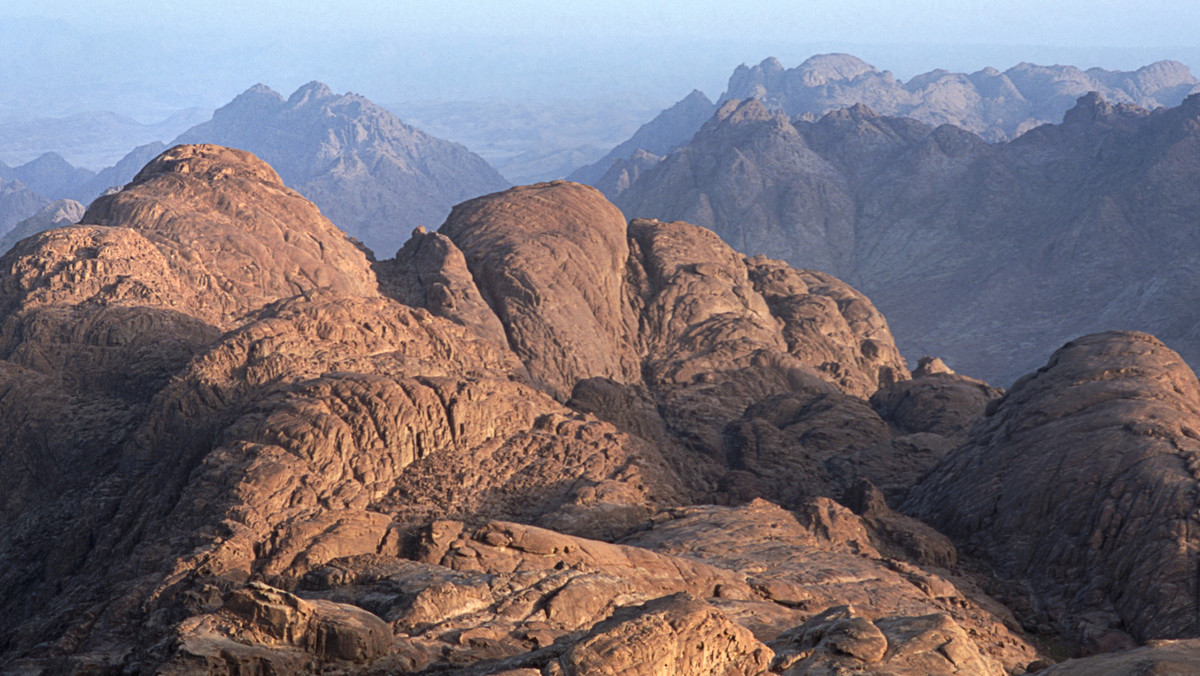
(371,174)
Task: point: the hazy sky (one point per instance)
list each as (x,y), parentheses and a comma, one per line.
(144,58)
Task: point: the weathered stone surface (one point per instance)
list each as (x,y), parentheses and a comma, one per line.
(988,254)
(550,260)
(1156,657)
(676,634)
(227,228)
(1083,481)
(840,640)
(214,466)
(822,556)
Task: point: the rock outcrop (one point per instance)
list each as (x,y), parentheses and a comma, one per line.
(1082,482)
(1078,227)
(539,441)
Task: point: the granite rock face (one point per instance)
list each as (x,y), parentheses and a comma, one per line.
(1074,228)
(1083,482)
(539,441)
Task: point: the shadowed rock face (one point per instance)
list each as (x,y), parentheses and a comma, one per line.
(1073,228)
(1083,480)
(213,461)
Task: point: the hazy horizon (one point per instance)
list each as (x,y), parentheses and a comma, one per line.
(146,61)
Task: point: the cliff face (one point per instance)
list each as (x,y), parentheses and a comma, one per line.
(539,440)
(1077,227)
(374,176)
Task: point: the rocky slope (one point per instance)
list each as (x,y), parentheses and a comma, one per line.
(54,215)
(374,176)
(541,440)
(1077,227)
(1111,565)
(17,202)
(668,130)
(998,106)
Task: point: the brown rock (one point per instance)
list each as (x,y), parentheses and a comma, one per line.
(1082,481)
(1157,657)
(550,261)
(237,254)
(676,634)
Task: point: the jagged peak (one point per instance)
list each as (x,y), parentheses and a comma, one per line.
(737,111)
(255,98)
(771,63)
(313,91)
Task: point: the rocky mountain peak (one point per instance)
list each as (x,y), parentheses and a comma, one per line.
(259,98)
(824,68)
(311,92)
(1093,107)
(737,112)
(370,173)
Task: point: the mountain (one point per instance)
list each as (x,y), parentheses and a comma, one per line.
(17,202)
(531,140)
(49,175)
(996,105)
(1079,227)
(543,439)
(667,131)
(56,214)
(88,139)
(370,173)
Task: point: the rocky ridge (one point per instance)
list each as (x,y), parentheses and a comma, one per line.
(541,440)
(953,236)
(371,174)
(54,215)
(997,106)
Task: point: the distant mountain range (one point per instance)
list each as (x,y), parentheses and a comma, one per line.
(531,140)
(995,105)
(1090,224)
(373,175)
(94,139)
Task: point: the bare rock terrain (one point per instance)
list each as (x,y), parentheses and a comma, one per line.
(1075,228)
(997,106)
(541,440)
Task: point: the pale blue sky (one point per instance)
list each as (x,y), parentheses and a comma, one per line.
(144,58)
